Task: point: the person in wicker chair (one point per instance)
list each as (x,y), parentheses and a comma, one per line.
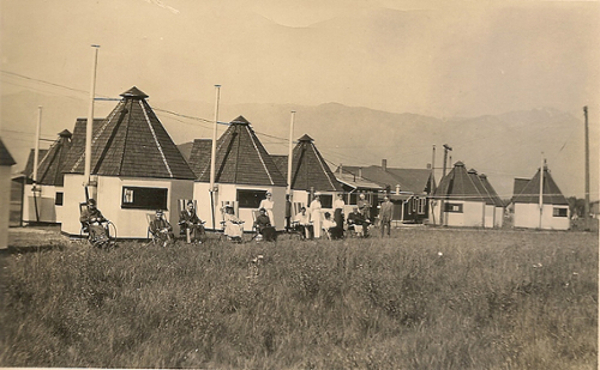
(263,225)
(162,229)
(94,223)
(190,224)
(233,225)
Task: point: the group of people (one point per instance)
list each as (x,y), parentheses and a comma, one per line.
(311,223)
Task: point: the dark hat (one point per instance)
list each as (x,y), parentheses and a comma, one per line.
(92,202)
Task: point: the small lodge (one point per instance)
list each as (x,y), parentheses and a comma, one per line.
(548,210)
(458,200)
(135,166)
(43,194)
(408,189)
(310,175)
(6,163)
(244,173)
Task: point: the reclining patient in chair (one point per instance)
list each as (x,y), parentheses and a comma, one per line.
(263,225)
(233,225)
(162,229)
(92,221)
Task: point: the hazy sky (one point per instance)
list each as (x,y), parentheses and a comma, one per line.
(440,58)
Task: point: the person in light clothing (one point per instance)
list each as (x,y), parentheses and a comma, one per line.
(315,215)
(233,225)
(329,227)
(268,205)
(304,225)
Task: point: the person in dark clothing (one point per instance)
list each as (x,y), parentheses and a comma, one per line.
(162,229)
(385,215)
(263,225)
(94,223)
(357,223)
(190,224)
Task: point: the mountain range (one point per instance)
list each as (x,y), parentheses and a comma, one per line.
(502,146)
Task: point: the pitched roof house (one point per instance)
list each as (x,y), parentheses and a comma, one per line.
(458,199)
(137,165)
(244,173)
(552,213)
(50,180)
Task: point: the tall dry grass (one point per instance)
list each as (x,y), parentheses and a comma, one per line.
(424,299)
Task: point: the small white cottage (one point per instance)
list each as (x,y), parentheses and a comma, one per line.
(244,173)
(549,212)
(137,167)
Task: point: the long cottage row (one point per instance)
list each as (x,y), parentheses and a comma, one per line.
(139,169)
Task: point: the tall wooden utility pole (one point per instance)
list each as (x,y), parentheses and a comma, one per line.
(87,172)
(446,150)
(587,171)
(213,156)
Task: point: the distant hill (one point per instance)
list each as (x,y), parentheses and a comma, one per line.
(501,146)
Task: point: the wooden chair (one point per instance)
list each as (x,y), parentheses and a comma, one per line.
(185,231)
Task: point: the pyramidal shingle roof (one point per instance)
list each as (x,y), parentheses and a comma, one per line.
(200,155)
(28,170)
(491,191)
(5,158)
(480,187)
(52,161)
(309,169)
(240,159)
(131,142)
(530,193)
(458,185)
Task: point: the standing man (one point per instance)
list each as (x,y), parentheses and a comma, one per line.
(385,215)
(365,210)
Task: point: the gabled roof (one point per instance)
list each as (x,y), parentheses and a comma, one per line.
(354,182)
(52,161)
(458,185)
(240,159)
(531,191)
(416,181)
(132,142)
(5,158)
(309,170)
(491,191)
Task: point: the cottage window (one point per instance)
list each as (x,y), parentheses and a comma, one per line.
(422,206)
(326,200)
(58,200)
(453,207)
(250,198)
(144,198)
(559,212)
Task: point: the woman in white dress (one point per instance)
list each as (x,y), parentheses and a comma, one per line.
(233,225)
(268,204)
(315,216)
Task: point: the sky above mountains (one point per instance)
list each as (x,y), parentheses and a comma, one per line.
(438,58)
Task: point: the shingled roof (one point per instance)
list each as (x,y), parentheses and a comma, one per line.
(491,191)
(51,161)
(412,180)
(131,142)
(5,158)
(531,191)
(480,187)
(458,185)
(200,155)
(240,159)
(309,170)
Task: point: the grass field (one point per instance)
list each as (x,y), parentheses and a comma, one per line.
(424,299)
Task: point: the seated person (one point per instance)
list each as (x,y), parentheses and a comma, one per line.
(330,227)
(94,224)
(233,225)
(263,225)
(303,224)
(162,229)
(190,224)
(357,222)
